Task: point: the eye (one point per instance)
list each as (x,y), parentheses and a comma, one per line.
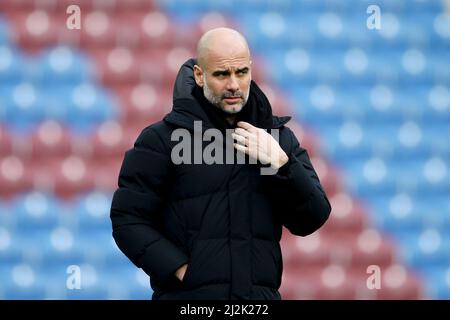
(220,74)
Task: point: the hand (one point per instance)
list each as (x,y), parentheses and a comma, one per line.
(181,272)
(259,145)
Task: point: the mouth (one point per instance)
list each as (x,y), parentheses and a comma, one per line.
(232,100)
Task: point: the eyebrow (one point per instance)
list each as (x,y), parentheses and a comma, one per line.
(221,73)
(227,72)
(245,69)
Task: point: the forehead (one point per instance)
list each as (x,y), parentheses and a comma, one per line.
(228,58)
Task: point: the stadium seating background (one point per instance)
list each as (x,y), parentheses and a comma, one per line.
(371,106)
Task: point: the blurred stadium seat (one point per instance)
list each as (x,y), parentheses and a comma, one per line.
(374,112)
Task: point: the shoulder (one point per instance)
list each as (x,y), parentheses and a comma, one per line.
(155,137)
(279,124)
(284,134)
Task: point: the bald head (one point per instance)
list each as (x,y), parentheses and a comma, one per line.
(223,69)
(220,41)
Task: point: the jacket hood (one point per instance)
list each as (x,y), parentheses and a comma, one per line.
(187,108)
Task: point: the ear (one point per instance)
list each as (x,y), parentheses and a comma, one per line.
(198,74)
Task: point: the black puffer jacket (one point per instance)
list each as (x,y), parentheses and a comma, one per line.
(224,220)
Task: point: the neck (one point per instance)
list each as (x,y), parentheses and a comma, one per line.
(231,119)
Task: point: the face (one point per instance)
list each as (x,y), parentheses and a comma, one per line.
(226,81)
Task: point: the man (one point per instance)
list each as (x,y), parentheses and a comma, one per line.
(205,230)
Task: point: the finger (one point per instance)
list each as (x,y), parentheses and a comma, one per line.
(245,125)
(240,139)
(240,147)
(242,132)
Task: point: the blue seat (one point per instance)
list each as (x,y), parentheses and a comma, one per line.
(20,281)
(10,247)
(18,293)
(79,105)
(420,252)
(7,217)
(12,65)
(23,105)
(93,210)
(405,212)
(90,105)
(438,285)
(128,284)
(90,288)
(64,66)
(97,246)
(36,211)
(58,84)
(56,103)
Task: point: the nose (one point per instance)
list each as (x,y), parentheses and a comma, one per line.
(232,84)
